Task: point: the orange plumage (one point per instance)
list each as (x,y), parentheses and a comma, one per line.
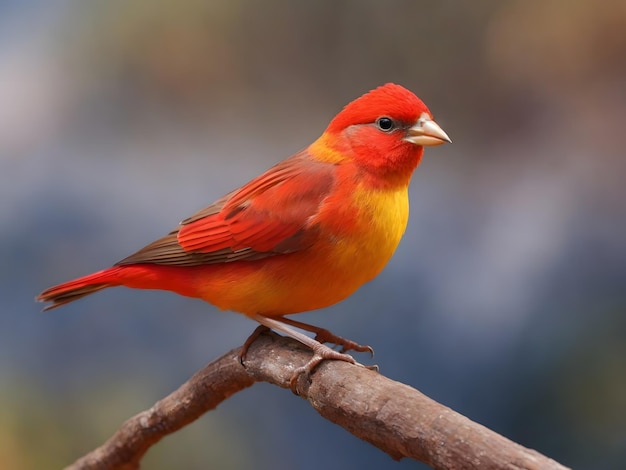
(303,235)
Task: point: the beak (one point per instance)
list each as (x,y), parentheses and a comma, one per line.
(426,132)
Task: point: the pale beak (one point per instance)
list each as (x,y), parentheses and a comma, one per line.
(426,132)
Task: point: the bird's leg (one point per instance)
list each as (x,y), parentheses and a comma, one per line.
(324,336)
(320,351)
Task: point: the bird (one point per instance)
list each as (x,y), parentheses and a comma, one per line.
(303,235)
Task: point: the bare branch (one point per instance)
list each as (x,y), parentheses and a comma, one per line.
(394,417)
(206,389)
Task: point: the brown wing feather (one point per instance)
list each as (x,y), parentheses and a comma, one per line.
(271,215)
(167,251)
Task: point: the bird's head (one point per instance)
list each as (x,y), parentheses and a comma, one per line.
(384,132)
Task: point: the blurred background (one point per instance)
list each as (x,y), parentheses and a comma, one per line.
(505,301)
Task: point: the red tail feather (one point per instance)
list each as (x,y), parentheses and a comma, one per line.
(73,290)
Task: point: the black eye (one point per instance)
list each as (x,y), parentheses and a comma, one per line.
(385,124)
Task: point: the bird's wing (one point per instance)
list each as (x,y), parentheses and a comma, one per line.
(272,214)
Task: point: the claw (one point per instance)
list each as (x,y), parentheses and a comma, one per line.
(321,353)
(258,331)
(322,335)
(325,336)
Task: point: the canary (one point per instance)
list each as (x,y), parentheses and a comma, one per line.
(301,236)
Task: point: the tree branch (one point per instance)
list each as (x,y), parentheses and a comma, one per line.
(392,416)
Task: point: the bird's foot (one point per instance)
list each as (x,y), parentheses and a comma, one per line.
(321,352)
(325,336)
(243,352)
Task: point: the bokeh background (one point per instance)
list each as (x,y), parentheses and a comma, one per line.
(505,301)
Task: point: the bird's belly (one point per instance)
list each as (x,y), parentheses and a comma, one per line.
(291,283)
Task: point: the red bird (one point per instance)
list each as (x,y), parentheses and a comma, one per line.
(303,235)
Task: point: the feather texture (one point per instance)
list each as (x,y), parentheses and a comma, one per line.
(272,214)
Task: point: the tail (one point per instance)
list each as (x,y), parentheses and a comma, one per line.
(74,290)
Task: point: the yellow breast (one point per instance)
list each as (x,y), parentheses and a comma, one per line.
(379,222)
